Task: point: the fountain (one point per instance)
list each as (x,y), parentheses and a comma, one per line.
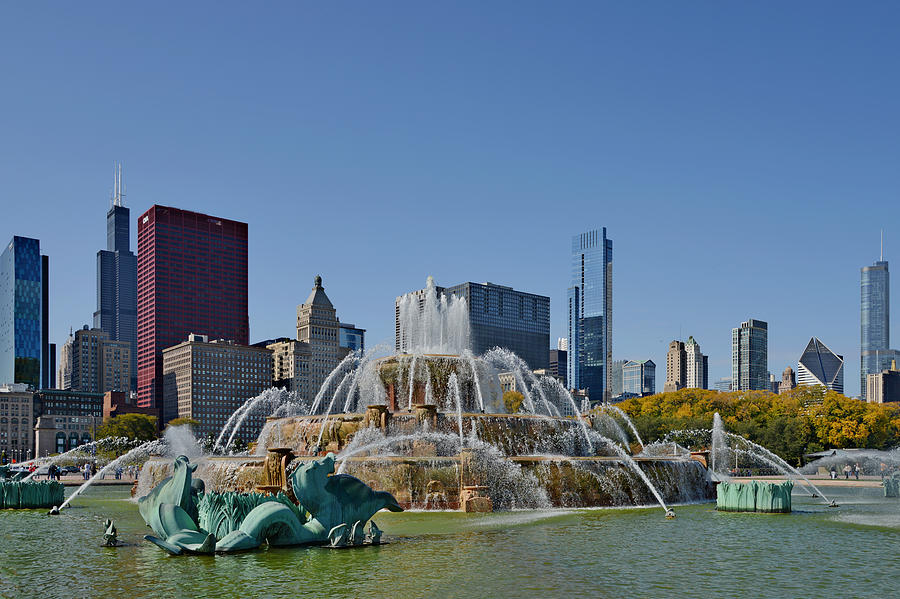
(428,424)
(16,492)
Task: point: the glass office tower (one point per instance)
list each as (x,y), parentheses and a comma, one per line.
(750,356)
(818,365)
(590,314)
(875,322)
(639,377)
(21,312)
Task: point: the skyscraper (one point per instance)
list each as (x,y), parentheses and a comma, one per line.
(24,312)
(92,362)
(590,314)
(695,364)
(750,356)
(875,322)
(192,278)
(818,365)
(319,327)
(676,367)
(116,312)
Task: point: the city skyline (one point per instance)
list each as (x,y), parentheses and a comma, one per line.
(282,161)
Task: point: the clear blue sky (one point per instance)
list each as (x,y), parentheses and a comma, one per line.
(743,157)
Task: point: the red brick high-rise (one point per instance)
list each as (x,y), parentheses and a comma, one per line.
(192,278)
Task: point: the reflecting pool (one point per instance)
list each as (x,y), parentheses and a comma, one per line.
(813,552)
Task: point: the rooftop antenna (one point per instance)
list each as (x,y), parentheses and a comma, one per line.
(882,245)
(118,185)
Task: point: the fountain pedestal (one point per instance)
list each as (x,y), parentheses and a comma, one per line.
(426,413)
(472,499)
(274,476)
(377,415)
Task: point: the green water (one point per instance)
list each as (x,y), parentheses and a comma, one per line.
(814,552)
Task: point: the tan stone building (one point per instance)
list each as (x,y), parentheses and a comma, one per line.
(16,422)
(676,367)
(319,327)
(788,381)
(208,380)
(290,366)
(884,386)
(91,362)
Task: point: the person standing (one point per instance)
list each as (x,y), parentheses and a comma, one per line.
(856,470)
(847,472)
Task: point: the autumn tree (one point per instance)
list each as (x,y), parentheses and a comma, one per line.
(513,401)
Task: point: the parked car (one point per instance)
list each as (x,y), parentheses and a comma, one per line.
(69,470)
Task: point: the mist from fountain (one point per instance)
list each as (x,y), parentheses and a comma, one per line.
(433,325)
(755,456)
(177,440)
(717,455)
(331,405)
(627,420)
(411,375)
(270,398)
(341,369)
(80,452)
(453,391)
(788,470)
(614,428)
(561,390)
(470,358)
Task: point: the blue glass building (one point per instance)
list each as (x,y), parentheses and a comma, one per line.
(22,305)
(875,322)
(750,356)
(639,377)
(590,314)
(116,312)
(352,337)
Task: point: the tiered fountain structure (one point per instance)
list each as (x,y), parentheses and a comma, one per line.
(428,424)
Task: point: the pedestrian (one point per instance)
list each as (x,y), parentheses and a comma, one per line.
(833,472)
(856,470)
(883,468)
(847,472)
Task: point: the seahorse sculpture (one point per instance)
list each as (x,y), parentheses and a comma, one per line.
(335,503)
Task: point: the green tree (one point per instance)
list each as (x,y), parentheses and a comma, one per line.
(513,401)
(182,422)
(133,426)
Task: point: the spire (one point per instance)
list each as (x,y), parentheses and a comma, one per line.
(118,185)
(882,246)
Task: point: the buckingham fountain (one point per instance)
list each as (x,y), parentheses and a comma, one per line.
(428,425)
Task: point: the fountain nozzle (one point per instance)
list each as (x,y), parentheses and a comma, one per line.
(670,514)
(833,503)
(54,511)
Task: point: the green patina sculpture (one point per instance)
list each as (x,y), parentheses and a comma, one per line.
(891,486)
(754,496)
(334,508)
(110,537)
(30,495)
(6,476)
